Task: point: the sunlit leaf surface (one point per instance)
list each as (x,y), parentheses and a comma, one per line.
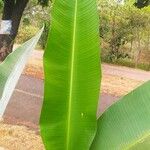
(126,124)
(72,76)
(11,69)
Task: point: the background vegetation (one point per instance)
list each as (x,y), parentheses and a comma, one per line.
(35,16)
(125,34)
(124,31)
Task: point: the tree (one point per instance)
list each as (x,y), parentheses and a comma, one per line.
(12,13)
(124,32)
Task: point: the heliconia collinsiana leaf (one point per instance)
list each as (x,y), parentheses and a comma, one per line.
(11,69)
(72,76)
(126,124)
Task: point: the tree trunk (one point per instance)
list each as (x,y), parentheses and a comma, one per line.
(13,10)
(8,9)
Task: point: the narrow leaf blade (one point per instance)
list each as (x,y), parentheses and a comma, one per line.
(126,124)
(11,69)
(72,76)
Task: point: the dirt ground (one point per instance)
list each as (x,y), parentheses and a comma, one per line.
(118,86)
(19,138)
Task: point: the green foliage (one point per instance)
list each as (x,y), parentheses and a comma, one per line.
(125,125)
(124,31)
(72,79)
(72,76)
(71,62)
(1,5)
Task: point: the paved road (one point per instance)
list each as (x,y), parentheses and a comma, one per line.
(25,105)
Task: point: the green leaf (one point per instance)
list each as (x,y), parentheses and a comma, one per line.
(126,124)
(11,69)
(72,76)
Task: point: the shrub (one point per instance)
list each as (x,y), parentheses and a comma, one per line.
(25,33)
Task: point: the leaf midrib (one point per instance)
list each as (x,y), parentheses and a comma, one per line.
(72,74)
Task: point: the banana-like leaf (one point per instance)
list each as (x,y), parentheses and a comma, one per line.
(72,76)
(126,124)
(11,69)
